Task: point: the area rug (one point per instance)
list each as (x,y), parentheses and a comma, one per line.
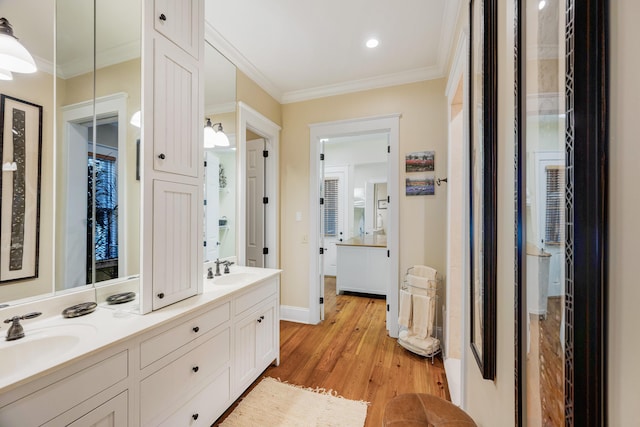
(276,404)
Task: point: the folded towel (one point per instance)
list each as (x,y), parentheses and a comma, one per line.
(423,314)
(404,318)
(424,271)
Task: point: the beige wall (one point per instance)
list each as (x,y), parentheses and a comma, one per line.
(38,89)
(250,93)
(624,210)
(492,403)
(423,126)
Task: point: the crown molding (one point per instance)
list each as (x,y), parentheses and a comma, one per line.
(104,58)
(229,51)
(212,109)
(395,79)
(450,17)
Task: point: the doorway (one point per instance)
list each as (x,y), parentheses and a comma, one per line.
(388,126)
(251,126)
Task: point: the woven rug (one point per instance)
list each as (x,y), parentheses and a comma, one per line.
(276,404)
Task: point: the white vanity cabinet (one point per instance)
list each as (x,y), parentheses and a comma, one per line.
(186,370)
(257,334)
(93,392)
(173,167)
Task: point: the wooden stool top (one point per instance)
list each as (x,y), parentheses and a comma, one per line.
(417,409)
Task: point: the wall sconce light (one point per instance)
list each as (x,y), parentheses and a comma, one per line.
(13,56)
(214,136)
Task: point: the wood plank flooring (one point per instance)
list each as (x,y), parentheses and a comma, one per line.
(351,353)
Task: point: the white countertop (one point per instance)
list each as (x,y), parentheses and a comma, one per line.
(108,326)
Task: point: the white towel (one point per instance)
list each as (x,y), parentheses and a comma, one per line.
(424,271)
(404,318)
(422,315)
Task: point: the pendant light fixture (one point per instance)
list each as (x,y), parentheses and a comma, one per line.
(13,56)
(214,136)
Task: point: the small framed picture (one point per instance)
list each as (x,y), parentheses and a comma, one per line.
(420,186)
(420,161)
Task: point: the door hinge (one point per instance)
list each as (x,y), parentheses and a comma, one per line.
(322,200)
(387,307)
(388,199)
(321,156)
(388,254)
(388,149)
(205,163)
(205,243)
(321,300)
(265,153)
(265,251)
(205,202)
(265,200)
(321,251)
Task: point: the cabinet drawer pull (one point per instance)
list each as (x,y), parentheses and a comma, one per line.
(260,319)
(161,295)
(195,416)
(195,369)
(196,329)
(161,156)
(162,17)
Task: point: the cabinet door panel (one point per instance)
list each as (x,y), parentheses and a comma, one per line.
(175,244)
(112,413)
(178,20)
(245,357)
(176,119)
(265,338)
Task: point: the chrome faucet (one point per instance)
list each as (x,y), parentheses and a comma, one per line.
(218,262)
(16,331)
(210,273)
(226,266)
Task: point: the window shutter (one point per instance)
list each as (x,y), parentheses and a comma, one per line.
(555,212)
(331,206)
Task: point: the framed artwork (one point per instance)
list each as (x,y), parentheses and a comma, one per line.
(20,146)
(382,204)
(420,185)
(482,183)
(420,161)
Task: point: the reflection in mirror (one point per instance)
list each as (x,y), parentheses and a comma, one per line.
(220,171)
(544,139)
(36,33)
(98,194)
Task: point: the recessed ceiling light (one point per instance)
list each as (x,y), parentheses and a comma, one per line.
(371,43)
(542,4)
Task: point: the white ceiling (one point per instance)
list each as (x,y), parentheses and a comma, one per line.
(302,49)
(294,49)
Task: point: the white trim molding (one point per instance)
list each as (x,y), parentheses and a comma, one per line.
(294,314)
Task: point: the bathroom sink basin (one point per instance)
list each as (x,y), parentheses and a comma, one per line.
(234,278)
(40,345)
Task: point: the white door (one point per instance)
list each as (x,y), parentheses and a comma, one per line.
(212,207)
(255,204)
(335,220)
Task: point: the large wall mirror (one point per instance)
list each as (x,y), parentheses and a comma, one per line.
(89,89)
(220,186)
(561,212)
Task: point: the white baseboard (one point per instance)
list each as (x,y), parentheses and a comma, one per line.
(452,369)
(294,314)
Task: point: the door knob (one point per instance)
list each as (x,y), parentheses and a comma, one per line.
(195,369)
(196,329)
(162,17)
(161,156)
(161,295)
(195,416)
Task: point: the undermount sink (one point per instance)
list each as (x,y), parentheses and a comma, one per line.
(40,344)
(234,278)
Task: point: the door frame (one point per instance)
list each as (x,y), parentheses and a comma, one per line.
(250,119)
(389,124)
(343,199)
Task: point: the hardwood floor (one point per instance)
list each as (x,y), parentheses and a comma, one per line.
(350,353)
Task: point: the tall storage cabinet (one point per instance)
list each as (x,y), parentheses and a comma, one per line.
(172,167)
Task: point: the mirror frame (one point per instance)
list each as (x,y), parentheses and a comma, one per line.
(587,120)
(483,235)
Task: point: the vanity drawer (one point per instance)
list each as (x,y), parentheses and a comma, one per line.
(206,406)
(164,343)
(255,296)
(48,402)
(159,391)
